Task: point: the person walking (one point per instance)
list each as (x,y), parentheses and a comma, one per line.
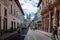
(19,31)
(55,32)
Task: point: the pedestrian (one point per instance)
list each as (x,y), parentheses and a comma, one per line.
(19,31)
(55,32)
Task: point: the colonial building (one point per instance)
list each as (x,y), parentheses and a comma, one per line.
(38,17)
(50,14)
(10,13)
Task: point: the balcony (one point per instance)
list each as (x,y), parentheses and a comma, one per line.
(44,9)
(49,5)
(4,2)
(54,1)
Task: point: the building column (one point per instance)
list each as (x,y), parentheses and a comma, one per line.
(55,17)
(49,22)
(44,24)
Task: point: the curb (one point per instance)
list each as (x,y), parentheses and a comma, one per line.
(47,35)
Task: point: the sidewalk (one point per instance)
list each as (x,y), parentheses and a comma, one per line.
(6,35)
(47,34)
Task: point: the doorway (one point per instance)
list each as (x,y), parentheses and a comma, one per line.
(5,25)
(58,18)
(0,23)
(51,20)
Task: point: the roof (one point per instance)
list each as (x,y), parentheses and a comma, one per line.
(19,5)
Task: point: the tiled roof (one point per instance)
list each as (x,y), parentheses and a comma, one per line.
(19,5)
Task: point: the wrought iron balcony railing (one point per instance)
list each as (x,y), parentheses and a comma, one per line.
(48,4)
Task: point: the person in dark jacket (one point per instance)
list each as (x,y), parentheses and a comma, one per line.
(55,32)
(19,31)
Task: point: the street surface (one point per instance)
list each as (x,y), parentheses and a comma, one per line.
(36,35)
(18,36)
(15,37)
(31,35)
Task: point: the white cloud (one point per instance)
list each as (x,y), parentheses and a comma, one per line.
(25,17)
(36,1)
(32,18)
(29,6)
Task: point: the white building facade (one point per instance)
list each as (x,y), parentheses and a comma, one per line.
(10,13)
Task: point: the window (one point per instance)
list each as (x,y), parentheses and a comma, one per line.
(47,16)
(5,12)
(10,0)
(53,1)
(39,24)
(17,25)
(14,12)
(11,25)
(11,9)
(47,2)
(14,25)
(52,12)
(5,24)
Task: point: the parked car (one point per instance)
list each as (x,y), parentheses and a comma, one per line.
(24,31)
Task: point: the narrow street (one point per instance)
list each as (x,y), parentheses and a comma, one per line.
(31,35)
(36,35)
(15,37)
(18,36)
(29,19)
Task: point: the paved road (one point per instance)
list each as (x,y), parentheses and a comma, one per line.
(17,36)
(31,35)
(36,35)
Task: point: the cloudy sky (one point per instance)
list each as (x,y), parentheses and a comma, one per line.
(29,7)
